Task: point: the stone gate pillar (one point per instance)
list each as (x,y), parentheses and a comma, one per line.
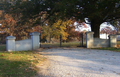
(113,40)
(89,39)
(10,43)
(35,40)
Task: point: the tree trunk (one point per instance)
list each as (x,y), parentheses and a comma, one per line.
(60,40)
(50,38)
(82,39)
(95,26)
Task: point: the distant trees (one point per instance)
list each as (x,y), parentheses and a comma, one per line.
(8,24)
(11,26)
(116,24)
(108,30)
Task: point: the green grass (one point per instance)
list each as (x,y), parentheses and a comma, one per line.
(109,48)
(19,64)
(67,44)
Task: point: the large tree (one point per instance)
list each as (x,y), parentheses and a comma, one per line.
(8,24)
(97,11)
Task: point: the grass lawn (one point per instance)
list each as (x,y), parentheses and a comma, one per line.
(19,64)
(67,44)
(110,48)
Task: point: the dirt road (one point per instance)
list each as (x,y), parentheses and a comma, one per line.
(79,62)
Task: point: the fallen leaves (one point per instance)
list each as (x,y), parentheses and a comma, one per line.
(118,45)
(11,53)
(68,73)
(3,55)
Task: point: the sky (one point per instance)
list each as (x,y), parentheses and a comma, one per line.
(103,25)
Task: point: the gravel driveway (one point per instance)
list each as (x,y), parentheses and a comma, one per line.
(79,62)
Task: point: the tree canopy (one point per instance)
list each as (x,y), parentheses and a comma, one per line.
(97,11)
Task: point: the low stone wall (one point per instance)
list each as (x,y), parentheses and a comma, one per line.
(97,42)
(23,45)
(118,37)
(100,42)
(28,44)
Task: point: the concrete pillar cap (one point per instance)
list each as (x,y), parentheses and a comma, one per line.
(89,32)
(10,38)
(112,35)
(35,34)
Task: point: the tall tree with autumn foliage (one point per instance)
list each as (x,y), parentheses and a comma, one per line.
(8,24)
(60,28)
(97,11)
